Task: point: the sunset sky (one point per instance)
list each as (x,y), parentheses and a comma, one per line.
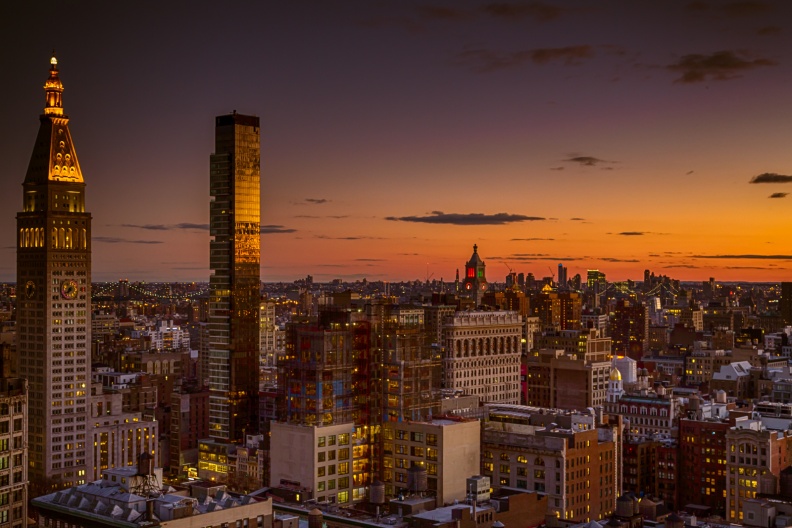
(617,135)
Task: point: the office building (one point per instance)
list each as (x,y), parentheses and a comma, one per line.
(572,373)
(757,450)
(448,450)
(13,452)
(571,457)
(482,355)
(629,329)
(319,459)
(234,284)
(54,301)
(189,424)
(785,303)
(117,436)
(596,285)
(557,310)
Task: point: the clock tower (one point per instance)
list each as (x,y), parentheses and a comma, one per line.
(54,300)
(475,278)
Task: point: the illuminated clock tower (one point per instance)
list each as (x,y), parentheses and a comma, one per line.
(475,278)
(54,300)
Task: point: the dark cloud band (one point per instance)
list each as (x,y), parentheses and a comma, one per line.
(438,217)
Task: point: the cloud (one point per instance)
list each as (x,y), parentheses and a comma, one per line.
(611,259)
(275,229)
(718,66)
(778,195)
(556,168)
(188,225)
(768,31)
(636,233)
(688,173)
(745,8)
(512,10)
(587,161)
(745,256)
(405,23)
(325,237)
(118,240)
(749,267)
(528,257)
(316,201)
(577,219)
(771,177)
(487,60)
(168,227)
(369,260)
(530,239)
(685,266)
(442,13)
(439,217)
(697,6)
(150,227)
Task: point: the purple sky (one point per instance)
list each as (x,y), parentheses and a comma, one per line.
(395,134)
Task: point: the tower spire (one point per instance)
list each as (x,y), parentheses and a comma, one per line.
(54,90)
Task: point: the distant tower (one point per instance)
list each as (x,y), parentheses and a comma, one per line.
(54,299)
(562,276)
(235,282)
(475,278)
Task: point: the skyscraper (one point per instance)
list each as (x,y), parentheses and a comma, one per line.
(54,296)
(234,283)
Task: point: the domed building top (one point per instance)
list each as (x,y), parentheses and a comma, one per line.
(615,375)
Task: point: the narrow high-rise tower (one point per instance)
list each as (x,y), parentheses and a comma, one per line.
(235,255)
(54,300)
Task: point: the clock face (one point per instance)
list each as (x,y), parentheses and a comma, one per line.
(30,289)
(69,289)
(468,285)
(483,286)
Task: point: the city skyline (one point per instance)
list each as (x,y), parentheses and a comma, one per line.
(396,135)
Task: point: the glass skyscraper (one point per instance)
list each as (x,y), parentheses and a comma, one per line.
(234,259)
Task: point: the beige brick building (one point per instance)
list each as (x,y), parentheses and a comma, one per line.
(449,450)
(482,355)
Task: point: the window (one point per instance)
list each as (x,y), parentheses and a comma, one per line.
(321,442)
